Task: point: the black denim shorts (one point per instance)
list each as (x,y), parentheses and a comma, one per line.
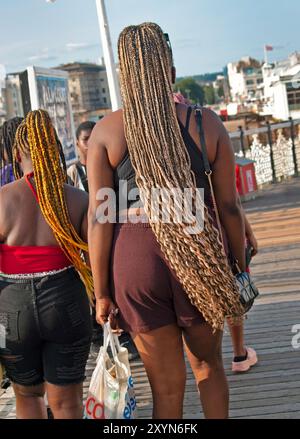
(45,329)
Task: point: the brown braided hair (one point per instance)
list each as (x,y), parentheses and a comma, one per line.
(36,136)
(160,159)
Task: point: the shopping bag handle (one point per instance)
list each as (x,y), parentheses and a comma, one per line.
(117,342)
(112,340)
(109,338)
(114,337)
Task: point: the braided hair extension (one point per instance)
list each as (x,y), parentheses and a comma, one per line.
(7,138)
(36,136)
(161,160)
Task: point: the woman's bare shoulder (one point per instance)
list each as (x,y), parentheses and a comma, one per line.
(12,196)
(211,118)
(10,191)
(110,119)
(74,194)
(108,130)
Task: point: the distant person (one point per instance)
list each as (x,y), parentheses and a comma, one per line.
(78,178)
(7,138)
(45,283)
(244,357)
(77,172)
(180,99)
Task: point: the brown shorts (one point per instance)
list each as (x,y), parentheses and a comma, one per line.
(146,290)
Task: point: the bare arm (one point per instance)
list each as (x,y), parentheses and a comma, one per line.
(248,228)
(250,236)
(227,198)
(2,238)
(84,236)
(3,214)
(249,232)
(100,235)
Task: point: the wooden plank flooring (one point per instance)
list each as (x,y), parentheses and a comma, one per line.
(272,388)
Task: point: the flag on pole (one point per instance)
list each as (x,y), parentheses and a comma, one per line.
(267,49)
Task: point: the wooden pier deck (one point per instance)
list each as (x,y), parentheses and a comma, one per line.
(272,388)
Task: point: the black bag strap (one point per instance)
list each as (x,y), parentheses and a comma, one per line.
(188,118)
(82,176)
(208,170)
(198,112)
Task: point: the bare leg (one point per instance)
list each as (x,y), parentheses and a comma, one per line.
(204,350)
(237,337)
(162,353)
(30,402)
(66,401)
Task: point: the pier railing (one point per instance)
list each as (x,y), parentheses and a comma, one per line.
(275,149)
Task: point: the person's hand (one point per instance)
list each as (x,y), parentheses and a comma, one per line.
(106,311)
(254,244)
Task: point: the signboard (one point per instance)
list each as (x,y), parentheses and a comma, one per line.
(49,90)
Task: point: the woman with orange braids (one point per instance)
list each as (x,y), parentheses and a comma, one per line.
(45,283)
(173,288)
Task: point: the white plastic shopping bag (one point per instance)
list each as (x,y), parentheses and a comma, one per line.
(111,393)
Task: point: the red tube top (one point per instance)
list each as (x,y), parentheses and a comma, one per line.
(31,259)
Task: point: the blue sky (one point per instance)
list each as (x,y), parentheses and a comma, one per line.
(205,34)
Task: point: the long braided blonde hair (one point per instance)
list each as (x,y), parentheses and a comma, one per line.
(160,159)
(36,136)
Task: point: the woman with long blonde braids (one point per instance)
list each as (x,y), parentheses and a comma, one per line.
(173,288)
(45,284)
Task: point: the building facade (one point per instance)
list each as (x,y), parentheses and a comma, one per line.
(221,84)
(282,88)
(245,80)
(14,104)
(269,89)
(89,90)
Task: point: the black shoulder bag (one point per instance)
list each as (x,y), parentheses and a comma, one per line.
(246,287)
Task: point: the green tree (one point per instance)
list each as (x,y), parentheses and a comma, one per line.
(209,95)
(221,92)
(191,90)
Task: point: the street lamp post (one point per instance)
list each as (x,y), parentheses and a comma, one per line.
(112,77)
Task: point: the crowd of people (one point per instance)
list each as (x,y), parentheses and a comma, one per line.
(64,271)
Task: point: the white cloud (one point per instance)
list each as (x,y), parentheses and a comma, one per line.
(75,46)
(79,46)
(37,57)
(44,55)
(12,48)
